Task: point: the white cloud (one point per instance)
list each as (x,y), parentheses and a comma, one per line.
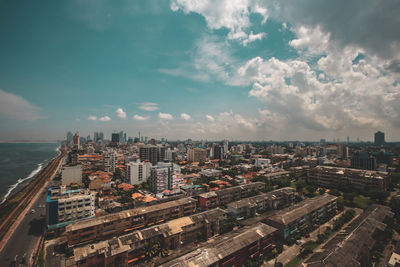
(105,118)
(310,40)
(210,118)
(253,37)
(233,15)
(140,118)
(121,113)
(148,106)
(165,116)
(185,116)
(16,108)
(92,118)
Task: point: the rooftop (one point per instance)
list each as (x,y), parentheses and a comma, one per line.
(127,213)
(222,246)
(298,210)
(354,239)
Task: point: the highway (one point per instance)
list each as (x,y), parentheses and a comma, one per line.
(21,245)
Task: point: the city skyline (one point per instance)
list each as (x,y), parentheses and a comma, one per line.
(236,70)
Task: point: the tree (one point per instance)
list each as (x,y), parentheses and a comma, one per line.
(321,191)
(300,185)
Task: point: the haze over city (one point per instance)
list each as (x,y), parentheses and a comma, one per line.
(237,70)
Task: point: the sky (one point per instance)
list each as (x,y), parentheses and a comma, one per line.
(200,69)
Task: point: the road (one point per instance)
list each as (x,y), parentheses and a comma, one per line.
(22,243)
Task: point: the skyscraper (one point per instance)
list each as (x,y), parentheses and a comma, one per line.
(76,141)
(379,138)
(115,137)
(149,153)
(70,137)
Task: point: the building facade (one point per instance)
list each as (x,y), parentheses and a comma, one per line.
(302,215)
(110,225)
(161,177)
(66,206)
(197,155)
(361,180)
(138,172)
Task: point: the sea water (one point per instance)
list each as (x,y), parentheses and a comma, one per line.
(20,162)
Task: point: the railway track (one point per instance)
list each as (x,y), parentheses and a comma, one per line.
(24,197)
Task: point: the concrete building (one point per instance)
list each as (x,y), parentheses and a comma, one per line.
(232,249)
(379,138)
(71,174)
(197,155)
(261,162)
(109,161)
(215,199)
(149,153)
(363,161)
(129,248)
(306,213)
(138,172)
(161,177)
(361,180)
(66,206)
(115,224)
(352,246)
(251,206)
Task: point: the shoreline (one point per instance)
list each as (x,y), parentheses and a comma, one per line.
(21,183)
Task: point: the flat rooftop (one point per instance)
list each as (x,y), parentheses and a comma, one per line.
(127,214)
(300,209)
(220,247)
(231,189)
(354,239)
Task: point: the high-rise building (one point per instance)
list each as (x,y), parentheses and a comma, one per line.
(197,155)
(348,139)
(109,161)
(70,137)
(342,151)
(138,172)
(363,161)
(149,153)
(161,177)
(218,151)
(115,137)
(76,141)
(379,138)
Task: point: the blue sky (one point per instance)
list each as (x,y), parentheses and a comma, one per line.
(242,69)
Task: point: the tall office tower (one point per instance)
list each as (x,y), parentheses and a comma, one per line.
(348,139)
(149,153)
(363,161)
(88,138)
(225,145)
(138,172)
(109,161)
(70,137)
(115,138)
(358,139)
(76,141)
(161,153)
(218,151)
(342,151)
(197,155)
(95,137)
(121,136)
(379,138)
(101,136)
(161,177)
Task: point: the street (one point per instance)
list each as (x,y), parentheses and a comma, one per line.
(20,247)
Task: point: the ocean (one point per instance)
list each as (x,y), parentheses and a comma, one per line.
(21,162)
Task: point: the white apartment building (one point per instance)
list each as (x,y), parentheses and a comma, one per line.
(138,172)
(65,206)
(109,161)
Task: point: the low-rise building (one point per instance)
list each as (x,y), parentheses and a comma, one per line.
(129,248)
(224,196)
(113,224)
(361,180)
(301,215)
(249,207)
(353,244)
(232,249)
(66,206)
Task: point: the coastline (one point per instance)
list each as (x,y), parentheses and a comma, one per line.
(20,184)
